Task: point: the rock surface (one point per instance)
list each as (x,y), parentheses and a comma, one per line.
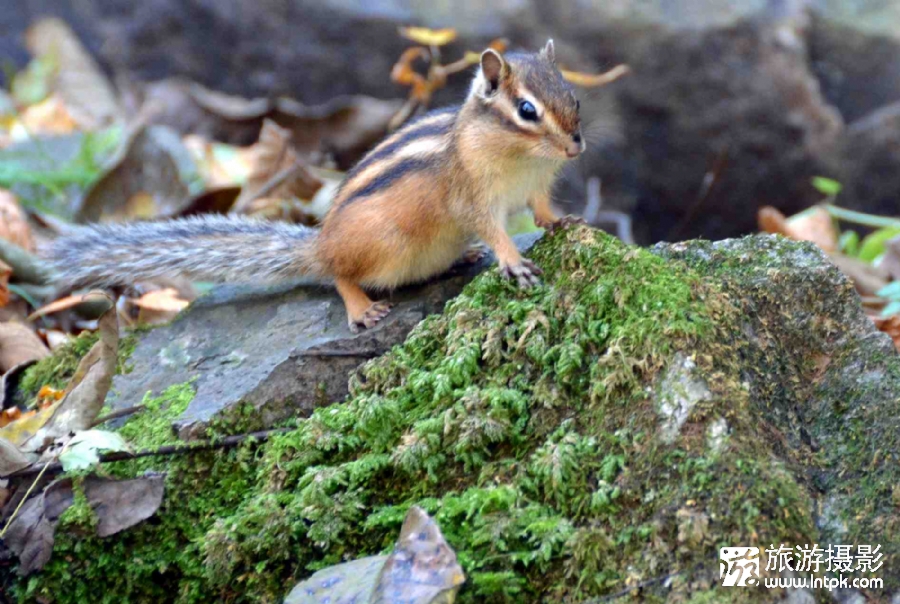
(284,351)
(745,99)
(615,426)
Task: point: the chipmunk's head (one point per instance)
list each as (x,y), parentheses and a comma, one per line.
(526,97)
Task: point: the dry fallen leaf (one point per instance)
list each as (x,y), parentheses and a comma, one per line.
(121,504)
(87,93)
(593,80)
(83,397)
(343,128)
(158,306)
(428,37)
(814,224)
(889,325)
(13,224)
(58,305)
(18,344)
(277,170)
(142,166)
(30,534)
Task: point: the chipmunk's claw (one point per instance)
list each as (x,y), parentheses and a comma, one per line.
(525,274)
(375,313)
(563,223)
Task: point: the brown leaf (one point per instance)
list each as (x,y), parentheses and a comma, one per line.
(277,171)
(890,326)
(58,305)
(12,459)
(13,224)
(88,95)
(142,166)
(345,127)
(814,224)
(30,534)
(86,392)
(121,504)
(19,344)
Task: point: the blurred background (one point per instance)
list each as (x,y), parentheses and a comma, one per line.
(729,105)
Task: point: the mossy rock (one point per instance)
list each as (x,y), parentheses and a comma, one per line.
(612,428)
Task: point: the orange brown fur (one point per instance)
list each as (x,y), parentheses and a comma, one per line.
(487,164)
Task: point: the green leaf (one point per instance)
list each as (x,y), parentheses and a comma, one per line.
(873,244)
(849,243)
(826,185)
(83,451)
(891,309)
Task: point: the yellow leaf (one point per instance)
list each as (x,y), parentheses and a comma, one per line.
(592,80)
(429,37)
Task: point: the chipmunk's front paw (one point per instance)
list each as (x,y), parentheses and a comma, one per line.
(562,223)
(372,315)
(525,273)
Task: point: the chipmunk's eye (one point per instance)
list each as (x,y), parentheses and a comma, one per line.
(527,111)
(577,105)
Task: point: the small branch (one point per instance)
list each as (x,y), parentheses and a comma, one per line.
(226,443)
(117,414)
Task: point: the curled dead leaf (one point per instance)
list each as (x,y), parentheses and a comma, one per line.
(593,80)
(277,170)
(427,36)
(19,344)
(83,397)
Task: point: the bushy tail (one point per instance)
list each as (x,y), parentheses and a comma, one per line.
(208,248)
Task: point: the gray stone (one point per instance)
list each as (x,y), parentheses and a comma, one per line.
(284,350)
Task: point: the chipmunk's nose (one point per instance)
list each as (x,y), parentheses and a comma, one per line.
(576,146)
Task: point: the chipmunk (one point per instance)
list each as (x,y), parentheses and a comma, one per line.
(409,210)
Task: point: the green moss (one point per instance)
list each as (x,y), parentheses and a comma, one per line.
(524,421)
(57,369)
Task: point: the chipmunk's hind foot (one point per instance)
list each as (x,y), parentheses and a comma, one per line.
(370,317)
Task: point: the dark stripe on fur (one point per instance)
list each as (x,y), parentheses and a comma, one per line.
(408,133)
(391,175)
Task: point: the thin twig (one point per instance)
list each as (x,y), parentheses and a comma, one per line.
(22,501)
(117,414)
(225,443)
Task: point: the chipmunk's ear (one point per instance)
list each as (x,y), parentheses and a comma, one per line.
(493,70)
(549,51)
